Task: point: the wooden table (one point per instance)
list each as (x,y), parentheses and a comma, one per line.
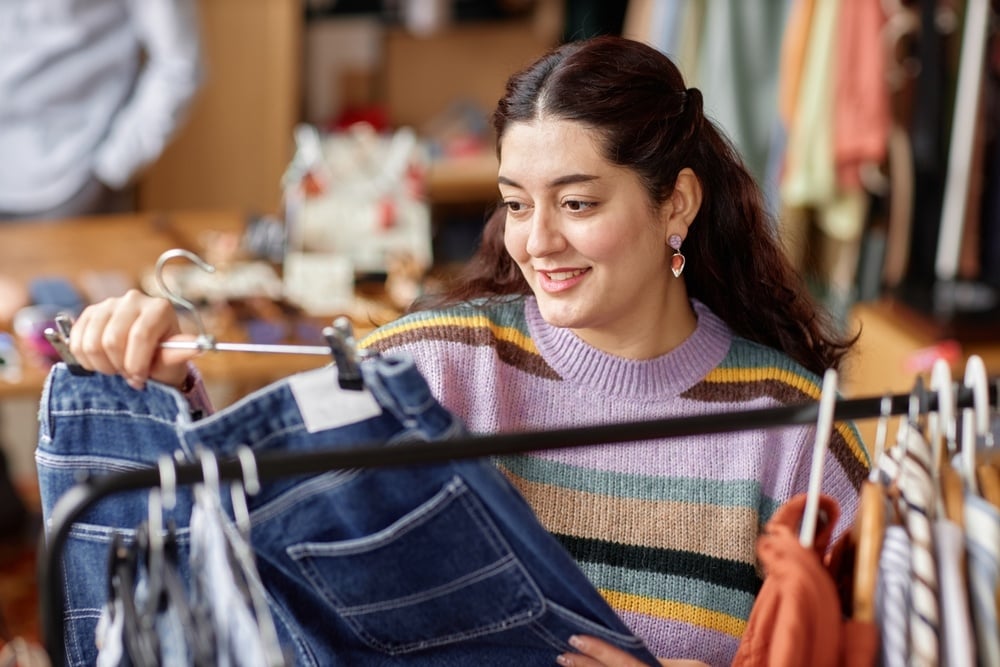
(130,245)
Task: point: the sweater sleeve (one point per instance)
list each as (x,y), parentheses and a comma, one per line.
(168,32)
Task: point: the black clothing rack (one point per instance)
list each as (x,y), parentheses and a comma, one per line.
(274,465)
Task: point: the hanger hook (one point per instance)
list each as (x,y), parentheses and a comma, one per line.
(205,340)
(239,490)
(168,481)
(163,497)
(942,421)
(209,470)
(975,420)
(975,378)
(248,465)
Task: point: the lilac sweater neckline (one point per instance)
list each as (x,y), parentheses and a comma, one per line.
(661,377)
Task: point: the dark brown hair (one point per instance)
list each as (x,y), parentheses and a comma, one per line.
(635,99)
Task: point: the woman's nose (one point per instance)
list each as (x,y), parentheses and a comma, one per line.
(544,236)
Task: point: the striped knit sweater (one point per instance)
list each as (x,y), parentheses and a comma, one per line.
(665,530)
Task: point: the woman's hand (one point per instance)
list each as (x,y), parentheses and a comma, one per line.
(594,652)
(122,335)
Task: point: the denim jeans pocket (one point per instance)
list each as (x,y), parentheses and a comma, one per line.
(443,573)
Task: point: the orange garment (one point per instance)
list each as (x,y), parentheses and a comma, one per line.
(860,647)
(797,619)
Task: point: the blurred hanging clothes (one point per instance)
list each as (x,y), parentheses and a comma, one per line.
(730,50)
(982,540)
(989,260)
(927,127)
(737,72)
(835,104)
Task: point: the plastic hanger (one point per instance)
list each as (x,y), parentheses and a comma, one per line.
(977,436)
(142,647)
(140,637)
(167,590)
(249,484)
(869,527)
(238,551)
(975,421)
(941,427)
(824,428)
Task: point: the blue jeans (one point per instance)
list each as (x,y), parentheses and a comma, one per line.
(440,564)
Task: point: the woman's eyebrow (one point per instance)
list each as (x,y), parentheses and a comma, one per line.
(562,180)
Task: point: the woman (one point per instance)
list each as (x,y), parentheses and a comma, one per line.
(632,273)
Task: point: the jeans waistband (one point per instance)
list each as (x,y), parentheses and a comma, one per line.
(394,388)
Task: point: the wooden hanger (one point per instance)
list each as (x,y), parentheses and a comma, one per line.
(869,527)
(988,477)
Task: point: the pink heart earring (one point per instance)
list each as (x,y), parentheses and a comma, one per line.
(677,260)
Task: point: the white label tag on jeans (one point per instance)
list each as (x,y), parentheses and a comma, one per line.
(325,405)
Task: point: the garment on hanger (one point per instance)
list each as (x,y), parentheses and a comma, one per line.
(449,566)
(147,618)
(218,588)
(982,542)
(912,455)
(893,599)
(797,619)
(958,642)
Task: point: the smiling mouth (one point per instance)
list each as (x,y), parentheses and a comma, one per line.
(562,275)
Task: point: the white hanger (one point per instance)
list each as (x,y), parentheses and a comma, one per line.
(975,420)
(162,499)
(247,485)
(941,423)
(824,428)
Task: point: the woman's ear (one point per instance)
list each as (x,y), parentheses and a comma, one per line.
(684,202)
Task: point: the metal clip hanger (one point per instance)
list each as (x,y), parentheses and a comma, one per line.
(58,338)
(340,337)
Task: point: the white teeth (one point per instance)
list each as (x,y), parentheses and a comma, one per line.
(563,275)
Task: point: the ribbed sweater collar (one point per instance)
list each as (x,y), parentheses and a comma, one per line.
(663,377)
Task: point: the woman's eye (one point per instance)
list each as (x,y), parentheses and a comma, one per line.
(513,206)
(576,205)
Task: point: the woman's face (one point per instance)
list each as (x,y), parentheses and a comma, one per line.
(584,235)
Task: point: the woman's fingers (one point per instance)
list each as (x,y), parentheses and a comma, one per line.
(143,358)
(122,336)
(85,338)
(595,652)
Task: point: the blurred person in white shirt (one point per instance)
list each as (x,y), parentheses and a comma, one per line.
(91,92)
